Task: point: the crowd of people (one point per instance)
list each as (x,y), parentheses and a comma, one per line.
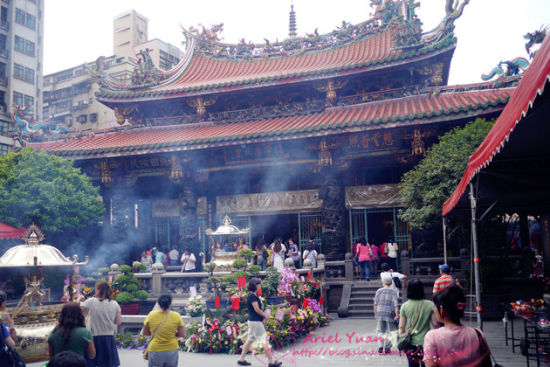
(187,260)
(368,257)
(278,251)
(437,337)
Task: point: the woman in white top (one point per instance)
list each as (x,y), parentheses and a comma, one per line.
(278,255)
(310,254)
(104,317)
(392,249)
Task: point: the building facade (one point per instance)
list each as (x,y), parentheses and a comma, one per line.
(21,60)
(69,95)
(306,138)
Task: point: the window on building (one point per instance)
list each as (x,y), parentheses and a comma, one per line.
(29,100)
(93,117)
(4,128)
(2,70)
(4,149)
(63,107)
(19,44)
(17,98)
(3,16)
(18,71)
(29,48)
(20,16)
(82,119)
(29,75)
(24,18)
(3,42)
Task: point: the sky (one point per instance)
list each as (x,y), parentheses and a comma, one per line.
(78,31)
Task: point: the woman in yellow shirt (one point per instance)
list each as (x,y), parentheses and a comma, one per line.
(164,326)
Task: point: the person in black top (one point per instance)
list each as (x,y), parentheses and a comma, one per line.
(256,321)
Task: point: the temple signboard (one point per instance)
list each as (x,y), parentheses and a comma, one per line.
(372,141)
(374,196)
(270,202)
(147,164)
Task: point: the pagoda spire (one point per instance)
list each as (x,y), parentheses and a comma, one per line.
(292,30)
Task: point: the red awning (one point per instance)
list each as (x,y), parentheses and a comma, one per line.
(8,232)
(520,104)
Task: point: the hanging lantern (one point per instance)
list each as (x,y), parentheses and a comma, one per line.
(325,157)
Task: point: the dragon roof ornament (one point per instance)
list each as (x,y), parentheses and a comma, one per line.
(453,11)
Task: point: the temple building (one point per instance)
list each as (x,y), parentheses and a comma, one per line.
(306,138)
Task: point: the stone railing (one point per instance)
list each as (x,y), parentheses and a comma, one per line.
(427,268)
(159,281)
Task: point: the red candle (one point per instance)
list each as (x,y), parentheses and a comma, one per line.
(306,303)
(217,301)
(241,281)
(321,301)
(235,303)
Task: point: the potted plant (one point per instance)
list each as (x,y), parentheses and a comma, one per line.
(240,263)
(270,286)
(255,270)
(195,306)
(127,287)
(209,268)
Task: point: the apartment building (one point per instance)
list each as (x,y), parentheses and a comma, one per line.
(69,95)
(21,60)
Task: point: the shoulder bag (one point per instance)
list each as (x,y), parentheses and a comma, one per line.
(146,350)
(8,356)
(486,355)
(405,341)
(396,281)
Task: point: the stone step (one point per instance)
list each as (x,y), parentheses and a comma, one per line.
(361,314)
(361,300)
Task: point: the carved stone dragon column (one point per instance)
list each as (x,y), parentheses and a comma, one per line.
(189,225)
(332,214)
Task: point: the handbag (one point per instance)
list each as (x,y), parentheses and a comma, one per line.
(484,350)
(396,282)
(405,343)
(146,350)
(8,356)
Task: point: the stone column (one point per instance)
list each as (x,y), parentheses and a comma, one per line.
(189,225)
(332,215)
(121,215)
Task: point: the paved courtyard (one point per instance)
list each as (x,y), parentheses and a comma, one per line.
(357,351)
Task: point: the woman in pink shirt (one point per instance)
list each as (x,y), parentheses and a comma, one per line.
(364,257)
(453,345)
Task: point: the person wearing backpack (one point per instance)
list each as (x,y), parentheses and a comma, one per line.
(445,280)
(399,281)
(8,355)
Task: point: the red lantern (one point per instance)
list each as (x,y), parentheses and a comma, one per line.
(217,301)
(235,303)
(241,281)
(321,301)
(306,302)
(259,292)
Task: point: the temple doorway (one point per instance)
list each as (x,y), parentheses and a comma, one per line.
(270,227)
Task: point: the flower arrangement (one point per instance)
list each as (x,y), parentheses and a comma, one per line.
(528,307)
(288,276)
(195,306)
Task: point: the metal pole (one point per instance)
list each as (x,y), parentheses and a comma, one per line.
(476,257)
(445,240)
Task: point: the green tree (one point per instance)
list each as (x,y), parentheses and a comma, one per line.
(45,189)
(426,187)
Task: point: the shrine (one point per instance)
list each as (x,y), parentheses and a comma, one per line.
(306,138)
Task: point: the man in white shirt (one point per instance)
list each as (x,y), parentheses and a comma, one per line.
(389,273)
(188,261)
(174,256)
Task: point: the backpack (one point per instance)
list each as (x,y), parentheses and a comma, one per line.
(8,356)
(397,282)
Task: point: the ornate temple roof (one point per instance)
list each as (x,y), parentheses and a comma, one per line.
(416,109)
(209,74)
(393,37)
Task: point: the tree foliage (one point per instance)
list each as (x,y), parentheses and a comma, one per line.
(45,189)
(426,187)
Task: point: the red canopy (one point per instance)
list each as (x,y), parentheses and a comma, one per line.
(8,232)
(520,104)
